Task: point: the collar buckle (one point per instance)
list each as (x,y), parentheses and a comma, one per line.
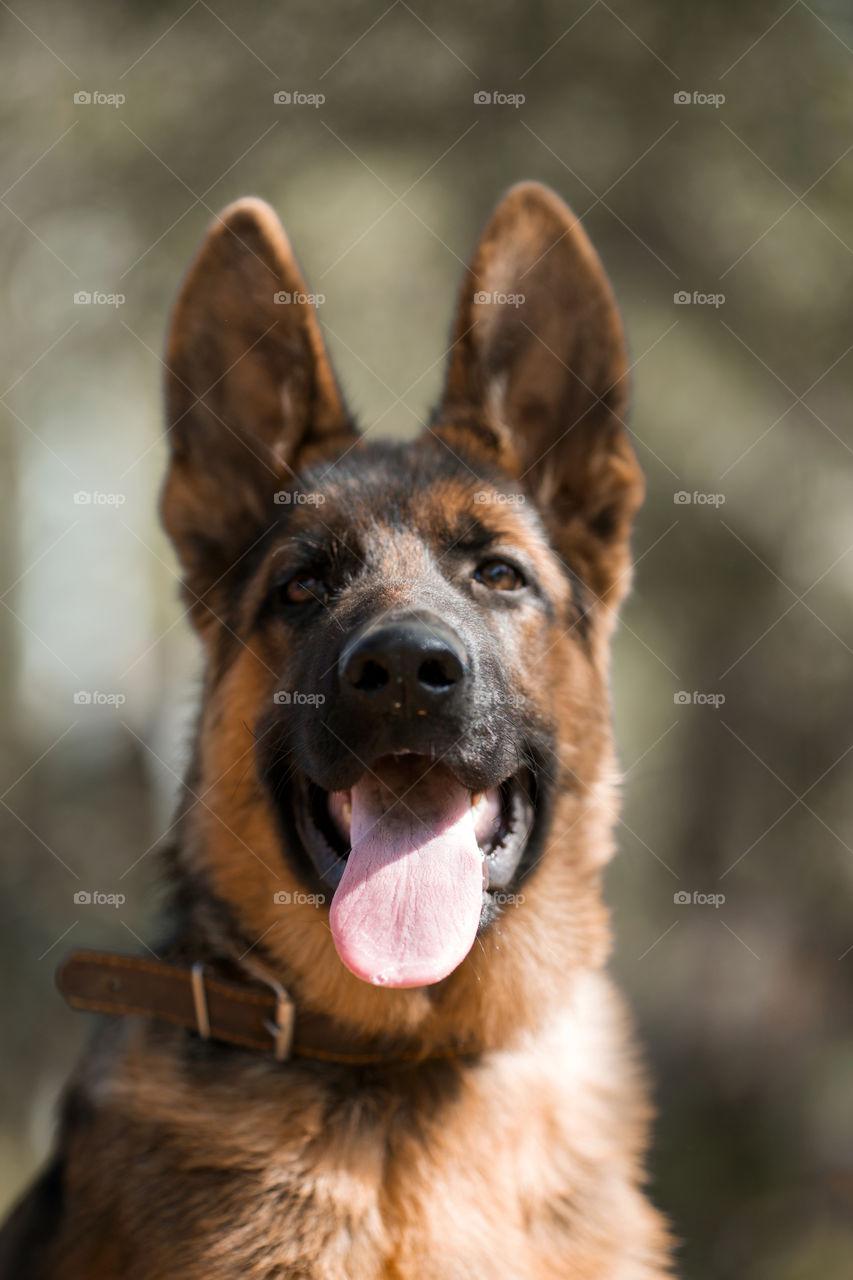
(281,1029)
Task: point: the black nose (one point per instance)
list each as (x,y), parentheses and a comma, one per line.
(406,663)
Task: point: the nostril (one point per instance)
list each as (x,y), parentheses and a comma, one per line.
(373,676)
(436,675)
(405,665)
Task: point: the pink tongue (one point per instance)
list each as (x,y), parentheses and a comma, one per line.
(407,909)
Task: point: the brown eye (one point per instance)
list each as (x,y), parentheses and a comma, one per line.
(499,575)
(304,588)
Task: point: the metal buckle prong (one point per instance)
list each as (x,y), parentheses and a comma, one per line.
(285,1011)
(282,1030)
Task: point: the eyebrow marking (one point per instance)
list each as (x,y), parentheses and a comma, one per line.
(470,534)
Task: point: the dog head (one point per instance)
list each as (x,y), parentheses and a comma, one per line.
(405,744)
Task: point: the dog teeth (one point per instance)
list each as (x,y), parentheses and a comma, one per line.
(486,811)
(340,809)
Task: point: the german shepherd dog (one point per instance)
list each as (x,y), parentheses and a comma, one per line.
(379,1040)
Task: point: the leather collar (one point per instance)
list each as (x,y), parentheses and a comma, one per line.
(244,1014)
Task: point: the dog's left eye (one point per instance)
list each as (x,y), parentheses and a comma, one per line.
(499,575)
(303,588)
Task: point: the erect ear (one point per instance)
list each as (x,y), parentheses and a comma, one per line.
(250,394)
(538,381)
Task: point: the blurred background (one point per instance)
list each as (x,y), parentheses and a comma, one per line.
(708,150)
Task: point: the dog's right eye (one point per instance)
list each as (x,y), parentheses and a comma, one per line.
(303,588)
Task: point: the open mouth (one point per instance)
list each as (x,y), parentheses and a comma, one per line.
(415,859)
(503,816)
